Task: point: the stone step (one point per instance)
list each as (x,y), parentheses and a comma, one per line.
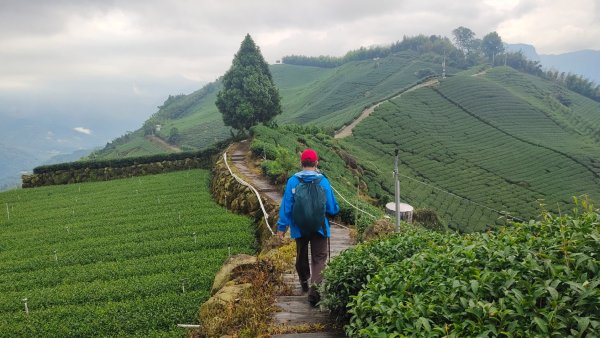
(295,310)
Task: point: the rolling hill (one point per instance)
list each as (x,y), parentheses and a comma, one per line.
(477,147)
(329,97)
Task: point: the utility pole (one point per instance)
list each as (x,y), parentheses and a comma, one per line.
(444,66)
(397,182)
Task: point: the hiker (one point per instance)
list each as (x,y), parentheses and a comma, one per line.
(307,200)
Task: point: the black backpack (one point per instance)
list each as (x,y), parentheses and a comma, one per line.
(308,212)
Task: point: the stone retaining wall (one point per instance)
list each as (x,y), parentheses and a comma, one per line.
(240,199)
(105,174)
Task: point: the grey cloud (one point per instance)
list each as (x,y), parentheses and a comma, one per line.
(67,56)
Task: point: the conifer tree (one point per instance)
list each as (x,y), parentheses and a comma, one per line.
(249,95)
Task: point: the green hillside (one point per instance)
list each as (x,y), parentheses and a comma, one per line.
(130,257)
(490,141)
(310,95)
(475,148)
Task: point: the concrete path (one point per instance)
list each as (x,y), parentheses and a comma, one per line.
(347,130)
(295,310)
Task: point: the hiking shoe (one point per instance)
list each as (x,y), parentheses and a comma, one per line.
(304,285)
(313,297)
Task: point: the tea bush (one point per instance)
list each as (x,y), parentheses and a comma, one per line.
(348,273)
(532,279)
(130,257)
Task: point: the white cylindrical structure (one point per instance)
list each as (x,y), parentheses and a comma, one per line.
(405,211)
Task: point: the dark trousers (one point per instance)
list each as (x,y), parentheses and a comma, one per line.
(318,251)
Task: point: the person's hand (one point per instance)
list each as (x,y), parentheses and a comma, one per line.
(280,234)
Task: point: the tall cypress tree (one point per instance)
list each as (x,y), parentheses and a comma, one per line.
(249,95)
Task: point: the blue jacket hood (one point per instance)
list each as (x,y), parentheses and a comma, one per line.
(308,175)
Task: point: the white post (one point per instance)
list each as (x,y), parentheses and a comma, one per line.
(55,256)
(397,183)
(183,285)
(7,212)
(24,300)
(194,237)
(229,250)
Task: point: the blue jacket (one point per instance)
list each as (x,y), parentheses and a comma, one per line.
(285,209)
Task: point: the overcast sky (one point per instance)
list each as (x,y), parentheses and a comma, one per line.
(74,58)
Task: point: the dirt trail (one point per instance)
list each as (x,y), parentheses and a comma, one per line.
(347,130)
(480,73)
(294,308)
(162,144)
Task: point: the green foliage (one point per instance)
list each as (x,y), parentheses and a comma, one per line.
(463,37)
(421,44)
(265,150)
(576,83)
(289,141)
(496,139)
(349,272)
(337,97)
(425,72)
(492,45)
(174,136)
(310,95)
(531,279)
(429,219)
(249,95)
(281,167)
(109,258)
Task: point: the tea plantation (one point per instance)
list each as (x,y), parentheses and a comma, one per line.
(130,257)
(310,95)
(535,279)
(480,151)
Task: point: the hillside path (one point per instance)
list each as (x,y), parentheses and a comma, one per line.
(163,144)
(294,309)
(347,130)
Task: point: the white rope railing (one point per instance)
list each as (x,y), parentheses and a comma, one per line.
(352,205)
(242,182)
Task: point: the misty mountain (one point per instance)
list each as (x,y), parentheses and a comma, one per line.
(583,62)
(13,161)
(40,123)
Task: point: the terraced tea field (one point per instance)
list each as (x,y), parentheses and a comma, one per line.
(328,97)
(474,138)
(128,257)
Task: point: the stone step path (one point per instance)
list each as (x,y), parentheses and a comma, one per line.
(239,157)
(293,303)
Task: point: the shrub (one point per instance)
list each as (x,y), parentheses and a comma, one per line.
(532,279)
(263,149)
(429,219)
(347,274)
(425,72)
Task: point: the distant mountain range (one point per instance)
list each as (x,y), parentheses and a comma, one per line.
(16,161)
(584,62)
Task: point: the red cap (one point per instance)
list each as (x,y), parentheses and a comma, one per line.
(309,155)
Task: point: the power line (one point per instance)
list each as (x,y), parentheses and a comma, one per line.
(352,205)
(503,213)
